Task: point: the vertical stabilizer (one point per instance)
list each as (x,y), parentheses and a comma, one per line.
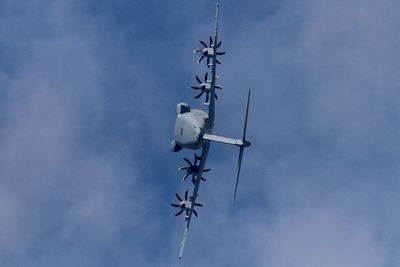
(245,144)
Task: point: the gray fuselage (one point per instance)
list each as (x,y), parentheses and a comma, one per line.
(189,127)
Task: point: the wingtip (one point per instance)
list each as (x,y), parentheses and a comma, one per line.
(236,186)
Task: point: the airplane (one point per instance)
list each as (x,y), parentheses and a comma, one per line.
(193,130)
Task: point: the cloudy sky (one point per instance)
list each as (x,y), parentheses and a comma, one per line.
(87,107)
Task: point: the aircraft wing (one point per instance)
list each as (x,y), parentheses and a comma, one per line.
(194,195)
(214,44)
(214,62)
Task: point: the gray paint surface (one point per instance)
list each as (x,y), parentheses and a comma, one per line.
(83,85)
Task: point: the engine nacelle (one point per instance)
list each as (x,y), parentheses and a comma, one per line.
(209,52)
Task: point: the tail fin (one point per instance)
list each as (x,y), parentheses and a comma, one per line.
(245,144)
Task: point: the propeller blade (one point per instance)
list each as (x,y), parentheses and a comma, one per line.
(186,195)
(203,43)
(188,161)
(197,96)
(195,213)
(194,180)
(206,77)
(185,176)
(218,87)
(211,41)
(179,213)
(206,170)
(195,160)
(215,95)
(198,79)
(198,205)
(221,53)
(219,44)
(183,168)
(217,61)
(175,205)
(200,59)
(207,97)
(208,61)
(178,197)
(195,87)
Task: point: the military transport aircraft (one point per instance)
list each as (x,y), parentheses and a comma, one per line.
(193,130)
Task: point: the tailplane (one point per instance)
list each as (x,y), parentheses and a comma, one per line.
(241,143)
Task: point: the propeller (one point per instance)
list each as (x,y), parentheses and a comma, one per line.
(192,169)
(205,87)
(219,53)
(185,205)
(208,51)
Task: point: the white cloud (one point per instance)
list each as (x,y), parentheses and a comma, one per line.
(315,237)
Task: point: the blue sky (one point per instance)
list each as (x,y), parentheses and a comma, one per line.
(87,109)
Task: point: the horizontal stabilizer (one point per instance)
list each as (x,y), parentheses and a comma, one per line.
(225,140)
